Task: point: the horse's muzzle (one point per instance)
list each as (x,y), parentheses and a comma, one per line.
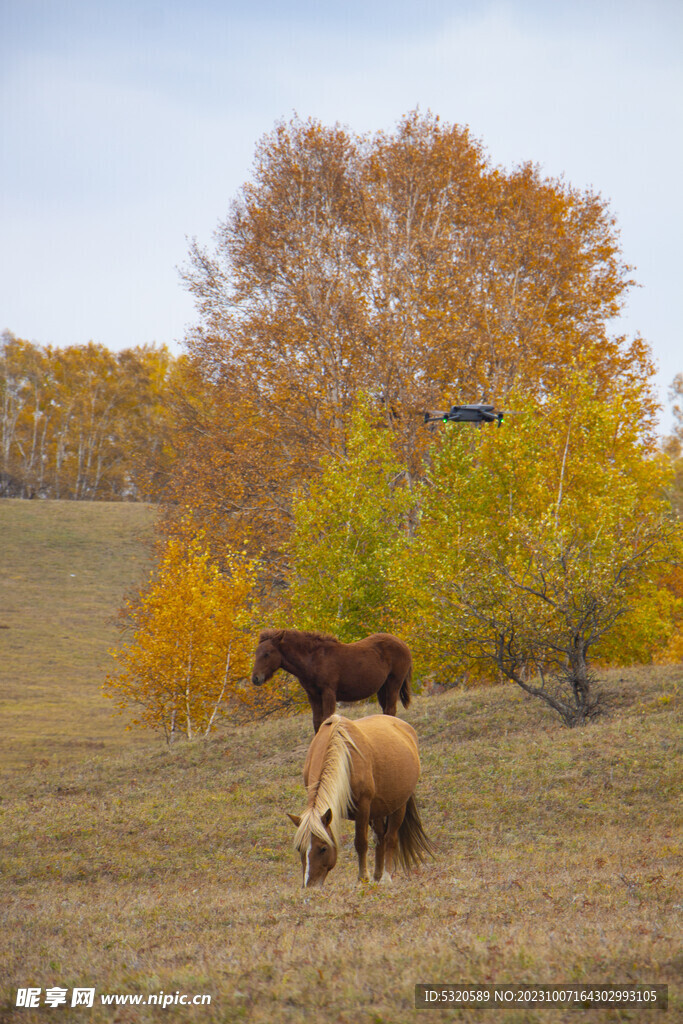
(257,680)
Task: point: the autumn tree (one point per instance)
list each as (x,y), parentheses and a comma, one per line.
(673,444)
(542,547)
(673,447)
(189,640)
(82,422)
(404,265)
(347,524)
(25,417)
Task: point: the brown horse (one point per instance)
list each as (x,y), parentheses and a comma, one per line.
(330,671)
(367,771)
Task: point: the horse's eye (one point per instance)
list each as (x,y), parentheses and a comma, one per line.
(323,849)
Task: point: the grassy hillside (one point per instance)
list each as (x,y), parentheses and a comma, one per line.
(173,870)
(64,568)
(144,869)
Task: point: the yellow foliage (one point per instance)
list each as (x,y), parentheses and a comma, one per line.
(403,264)
(192,639)
(83,423)
(545,541)
(672,654)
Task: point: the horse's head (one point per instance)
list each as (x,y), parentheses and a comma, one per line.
(318,854)
(267,659)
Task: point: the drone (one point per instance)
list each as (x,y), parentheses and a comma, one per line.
(466,414)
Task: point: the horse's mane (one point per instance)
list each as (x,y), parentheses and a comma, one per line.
(331,790)
(310,638)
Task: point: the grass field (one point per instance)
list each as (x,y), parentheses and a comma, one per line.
(64,569)
(136,869)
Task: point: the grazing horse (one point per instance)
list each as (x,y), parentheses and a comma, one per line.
(330,671)
(365,770)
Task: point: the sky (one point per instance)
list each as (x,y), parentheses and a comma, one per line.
(128,126)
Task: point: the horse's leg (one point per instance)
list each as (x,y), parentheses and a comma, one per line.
(379,827)
(328,703)
(317,709)
(361,842)
(390,840)
(323,706)
(387,695)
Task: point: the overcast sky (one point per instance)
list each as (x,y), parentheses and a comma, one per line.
(126,127)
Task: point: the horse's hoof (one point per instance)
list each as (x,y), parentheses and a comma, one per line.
(386,879)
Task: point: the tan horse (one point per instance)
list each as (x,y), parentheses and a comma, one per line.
(367,771)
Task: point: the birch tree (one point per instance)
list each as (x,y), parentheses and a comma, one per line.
(188,640)
(401,264)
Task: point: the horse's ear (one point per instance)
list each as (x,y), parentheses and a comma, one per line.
(294,818)
(327,817)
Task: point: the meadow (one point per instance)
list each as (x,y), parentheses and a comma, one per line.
(65,567)
(133,868)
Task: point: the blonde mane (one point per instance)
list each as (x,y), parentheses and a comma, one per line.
(331,790)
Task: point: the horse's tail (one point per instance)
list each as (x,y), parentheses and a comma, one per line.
(413,844)
(404,692)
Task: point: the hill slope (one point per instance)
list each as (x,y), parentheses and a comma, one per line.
(64,568)
(150,870)
(173,870)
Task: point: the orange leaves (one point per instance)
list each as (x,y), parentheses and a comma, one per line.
(402,264)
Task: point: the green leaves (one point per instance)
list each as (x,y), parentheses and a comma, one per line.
(347,527)
(541,546)
(404,264)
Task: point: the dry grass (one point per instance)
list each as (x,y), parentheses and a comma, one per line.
(172,870)
(145,868)
(64,569)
